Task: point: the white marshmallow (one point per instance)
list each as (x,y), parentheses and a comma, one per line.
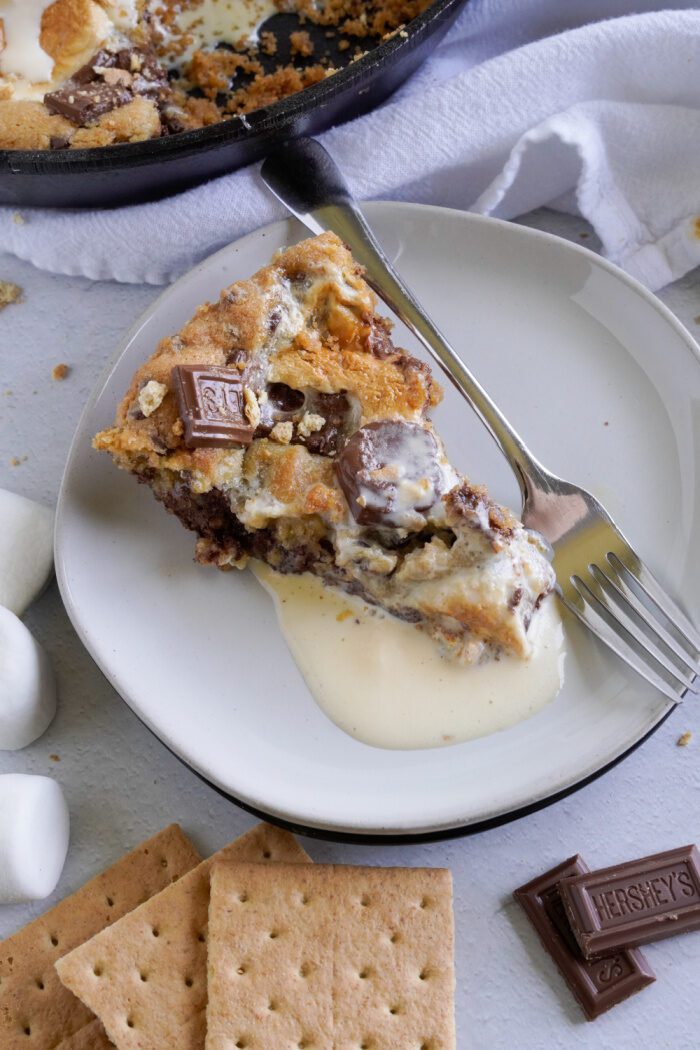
(34,831)
(26,550)
(27,685)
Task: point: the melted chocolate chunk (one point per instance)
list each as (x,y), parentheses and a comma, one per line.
(172,120)
(388,472)
(335,409)
(284,399)
(283,403)
(212,406)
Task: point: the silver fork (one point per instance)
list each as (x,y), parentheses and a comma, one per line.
(600,578)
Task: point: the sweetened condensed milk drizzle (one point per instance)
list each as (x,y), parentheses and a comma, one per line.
(385,683)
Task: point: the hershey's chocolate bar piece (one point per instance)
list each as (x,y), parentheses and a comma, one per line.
(212,406)
(83,103)
(597,986)
(635,903)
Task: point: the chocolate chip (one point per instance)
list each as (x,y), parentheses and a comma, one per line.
(284,399)
(335,409)
(515,598)
(379,341)
(86,74)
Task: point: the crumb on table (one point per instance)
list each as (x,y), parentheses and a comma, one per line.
(684,739)
(60,371)
(9,293)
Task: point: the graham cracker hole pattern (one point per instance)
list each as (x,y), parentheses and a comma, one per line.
(189,982)
(129,1022)
(40,984)
(54,940)
(97,970)
(110,902)
(144,977)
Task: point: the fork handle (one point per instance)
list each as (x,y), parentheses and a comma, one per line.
(303,175)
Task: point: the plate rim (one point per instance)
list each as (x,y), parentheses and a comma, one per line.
(359,834)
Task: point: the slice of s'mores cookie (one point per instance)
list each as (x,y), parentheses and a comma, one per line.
(281,423)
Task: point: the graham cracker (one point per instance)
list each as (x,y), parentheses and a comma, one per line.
(146,976)
(91,1037)
(334,958)
(36,1011)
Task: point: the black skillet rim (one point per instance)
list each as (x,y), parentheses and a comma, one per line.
(258,123)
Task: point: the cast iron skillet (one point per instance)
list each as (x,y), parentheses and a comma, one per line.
(125,174)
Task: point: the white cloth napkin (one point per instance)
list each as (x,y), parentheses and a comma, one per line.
(602,120)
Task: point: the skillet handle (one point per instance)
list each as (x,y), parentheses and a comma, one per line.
(305,178)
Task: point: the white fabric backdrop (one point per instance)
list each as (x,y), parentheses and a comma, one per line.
(524,104)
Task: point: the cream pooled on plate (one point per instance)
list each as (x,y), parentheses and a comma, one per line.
(388,686)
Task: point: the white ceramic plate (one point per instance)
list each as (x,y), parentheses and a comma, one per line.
(597,376)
